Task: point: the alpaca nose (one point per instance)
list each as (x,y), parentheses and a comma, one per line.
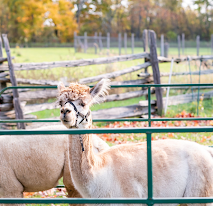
(65,111)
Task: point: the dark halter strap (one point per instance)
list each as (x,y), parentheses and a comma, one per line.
(84,117)
(73,106)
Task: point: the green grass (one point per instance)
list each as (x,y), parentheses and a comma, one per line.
(66,74)
(74,74)
(60,182)
(59,54)
(204,138)
(65,53)
(205,108)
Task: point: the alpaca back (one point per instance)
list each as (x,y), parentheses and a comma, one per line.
(180,168)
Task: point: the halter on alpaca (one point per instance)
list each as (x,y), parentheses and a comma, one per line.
(79,114)
(83,118)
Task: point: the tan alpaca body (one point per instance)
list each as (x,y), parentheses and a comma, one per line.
(180,168)
(36,163)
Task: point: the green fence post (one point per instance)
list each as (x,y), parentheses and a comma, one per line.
(149,151)
(149,166)
(149,107)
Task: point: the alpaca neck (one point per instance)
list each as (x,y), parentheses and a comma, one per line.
(82,162)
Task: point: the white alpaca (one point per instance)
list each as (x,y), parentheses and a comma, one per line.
(36,163)
(180,168)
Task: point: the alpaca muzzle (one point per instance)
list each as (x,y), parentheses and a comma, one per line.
(67,116)
(77,113)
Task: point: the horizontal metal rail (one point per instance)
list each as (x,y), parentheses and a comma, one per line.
(105,200)
(147,130)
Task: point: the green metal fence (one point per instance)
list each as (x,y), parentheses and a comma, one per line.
(148,131)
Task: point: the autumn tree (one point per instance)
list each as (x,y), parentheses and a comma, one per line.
(39,21)
(27,19)
(204,8)
(60,15)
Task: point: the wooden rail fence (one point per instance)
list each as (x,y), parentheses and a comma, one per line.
(8,104)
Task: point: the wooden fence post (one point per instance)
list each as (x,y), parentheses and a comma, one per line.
(145,39)
(85,42)
(1,52)
(133,42)
(166,49)
(198,44)
(145,45)
(178,39)
(95,42)
(183,42)
(108,42)
(155,69)
(162,45)
(16,102)
(119,43)
(75,41)
(2,84)
(125,42)
(100,41)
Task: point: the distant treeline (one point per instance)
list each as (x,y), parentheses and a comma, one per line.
(56,20)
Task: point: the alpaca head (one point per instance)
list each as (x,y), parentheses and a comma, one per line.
(76,100)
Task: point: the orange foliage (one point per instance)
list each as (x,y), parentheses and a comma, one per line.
(30,18)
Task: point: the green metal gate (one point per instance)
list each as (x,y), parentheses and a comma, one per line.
(148,131)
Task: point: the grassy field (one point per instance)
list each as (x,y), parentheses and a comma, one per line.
(71,74)
(74,74)
(48,54)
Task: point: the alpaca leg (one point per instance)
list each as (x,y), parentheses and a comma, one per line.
(10,187)
(73,193)
(5,193)
(203,192)
(12,195)
(204,189)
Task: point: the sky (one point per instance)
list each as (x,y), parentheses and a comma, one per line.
(189,3)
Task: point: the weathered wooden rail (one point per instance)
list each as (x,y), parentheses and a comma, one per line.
(114,74)
(203,72)
(189,58)
(75,63)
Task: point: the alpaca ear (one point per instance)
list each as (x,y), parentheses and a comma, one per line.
(100,90)
(60,86)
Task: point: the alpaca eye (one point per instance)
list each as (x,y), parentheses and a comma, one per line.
(82,104)
(60,103)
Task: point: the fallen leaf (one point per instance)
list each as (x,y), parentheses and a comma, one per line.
(170,135)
